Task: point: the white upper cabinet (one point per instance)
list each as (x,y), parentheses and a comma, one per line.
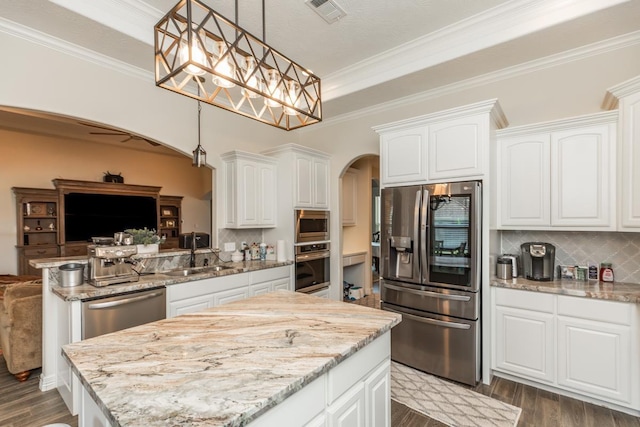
(456,148)
(311,183)
(558,175)
(403,156)
(445,146)
(250,190)
(525,174)
(626,97)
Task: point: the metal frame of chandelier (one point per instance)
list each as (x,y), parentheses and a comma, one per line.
(240,72)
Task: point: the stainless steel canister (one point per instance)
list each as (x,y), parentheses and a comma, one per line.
(504,268)
(71,274)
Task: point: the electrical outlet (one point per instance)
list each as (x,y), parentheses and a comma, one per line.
(230,246)
(243,245)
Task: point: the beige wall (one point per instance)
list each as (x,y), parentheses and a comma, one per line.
(30,160)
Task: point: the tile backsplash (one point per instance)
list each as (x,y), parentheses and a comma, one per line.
(226,235)
(583,247)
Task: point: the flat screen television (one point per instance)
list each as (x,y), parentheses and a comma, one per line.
(100,215)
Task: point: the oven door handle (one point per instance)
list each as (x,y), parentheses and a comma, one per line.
(310,257)
(429,293)
(429,321)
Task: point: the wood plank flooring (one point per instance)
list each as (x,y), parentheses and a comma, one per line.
(24,405)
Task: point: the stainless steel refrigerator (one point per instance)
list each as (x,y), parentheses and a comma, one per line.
(431,252)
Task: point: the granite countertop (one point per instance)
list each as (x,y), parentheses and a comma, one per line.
(223,366)
(157,280)
(617,291)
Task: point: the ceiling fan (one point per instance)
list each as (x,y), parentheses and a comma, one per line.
(115,132)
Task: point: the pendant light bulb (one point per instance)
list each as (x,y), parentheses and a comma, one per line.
(225,66)
(292,98)
(251,79)
(197,55)
(273,89)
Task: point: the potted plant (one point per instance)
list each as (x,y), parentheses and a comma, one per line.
(146,239)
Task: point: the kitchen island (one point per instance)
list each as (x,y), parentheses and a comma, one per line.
(266,359)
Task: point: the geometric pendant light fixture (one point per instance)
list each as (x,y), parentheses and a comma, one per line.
(234,70)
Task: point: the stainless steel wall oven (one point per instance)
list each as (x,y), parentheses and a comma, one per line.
(312,267)
(311,225)
(431,252)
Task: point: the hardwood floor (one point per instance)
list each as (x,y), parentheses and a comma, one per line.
(24,405)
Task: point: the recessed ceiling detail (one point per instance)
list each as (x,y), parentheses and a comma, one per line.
(329,10)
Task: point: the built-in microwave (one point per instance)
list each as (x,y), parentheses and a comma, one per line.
(311,225)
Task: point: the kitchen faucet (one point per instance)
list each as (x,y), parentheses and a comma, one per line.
(192,259)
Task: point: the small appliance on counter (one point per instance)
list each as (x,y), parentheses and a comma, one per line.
(514,263)
(202,240)
(111,264)
(504,268)
(538,260)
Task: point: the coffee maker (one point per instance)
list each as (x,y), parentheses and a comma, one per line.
(538,260)
(111,264)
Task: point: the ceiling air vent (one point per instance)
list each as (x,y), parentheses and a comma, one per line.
(329,10)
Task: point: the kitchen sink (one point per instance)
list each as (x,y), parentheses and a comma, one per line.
(196,270)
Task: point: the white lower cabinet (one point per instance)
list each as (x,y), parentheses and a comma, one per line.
(525,342)
(322,293)
(348,410)
(198,295)
(580,345)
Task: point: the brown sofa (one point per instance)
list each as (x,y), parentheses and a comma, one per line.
(21,324)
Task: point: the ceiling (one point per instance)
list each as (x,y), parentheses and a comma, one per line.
(380,51)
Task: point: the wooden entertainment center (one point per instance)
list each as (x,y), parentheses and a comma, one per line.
(41,224)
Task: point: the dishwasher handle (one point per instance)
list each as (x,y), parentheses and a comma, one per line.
(102,305)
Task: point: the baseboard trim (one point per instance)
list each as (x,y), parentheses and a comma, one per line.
(47,382)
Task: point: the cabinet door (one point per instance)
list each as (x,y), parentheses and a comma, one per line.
(190,305)
(456,148)
(377,389)
(524,343)
(349,409)
(260,288)
(248,206)
(582,188)
(630,162)
(284,284)
(594,357)
(230,295)
(403,156)
(523,185)
(349,198)
(303,181)
(320,188)
(267,196)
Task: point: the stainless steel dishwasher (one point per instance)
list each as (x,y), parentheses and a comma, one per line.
(104,315)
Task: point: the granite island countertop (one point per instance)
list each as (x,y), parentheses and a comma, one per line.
(224,366)
(616,291)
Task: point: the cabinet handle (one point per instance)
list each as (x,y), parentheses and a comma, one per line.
(42,251)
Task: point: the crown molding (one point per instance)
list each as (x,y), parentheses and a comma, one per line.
(489,106)
(513,19)
(594,49)
(134,18)
(606,117)
(54,43)
(618,91)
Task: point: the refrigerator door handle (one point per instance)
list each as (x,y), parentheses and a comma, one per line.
(424,235)
(417,245)
(429,293)
(453,325)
